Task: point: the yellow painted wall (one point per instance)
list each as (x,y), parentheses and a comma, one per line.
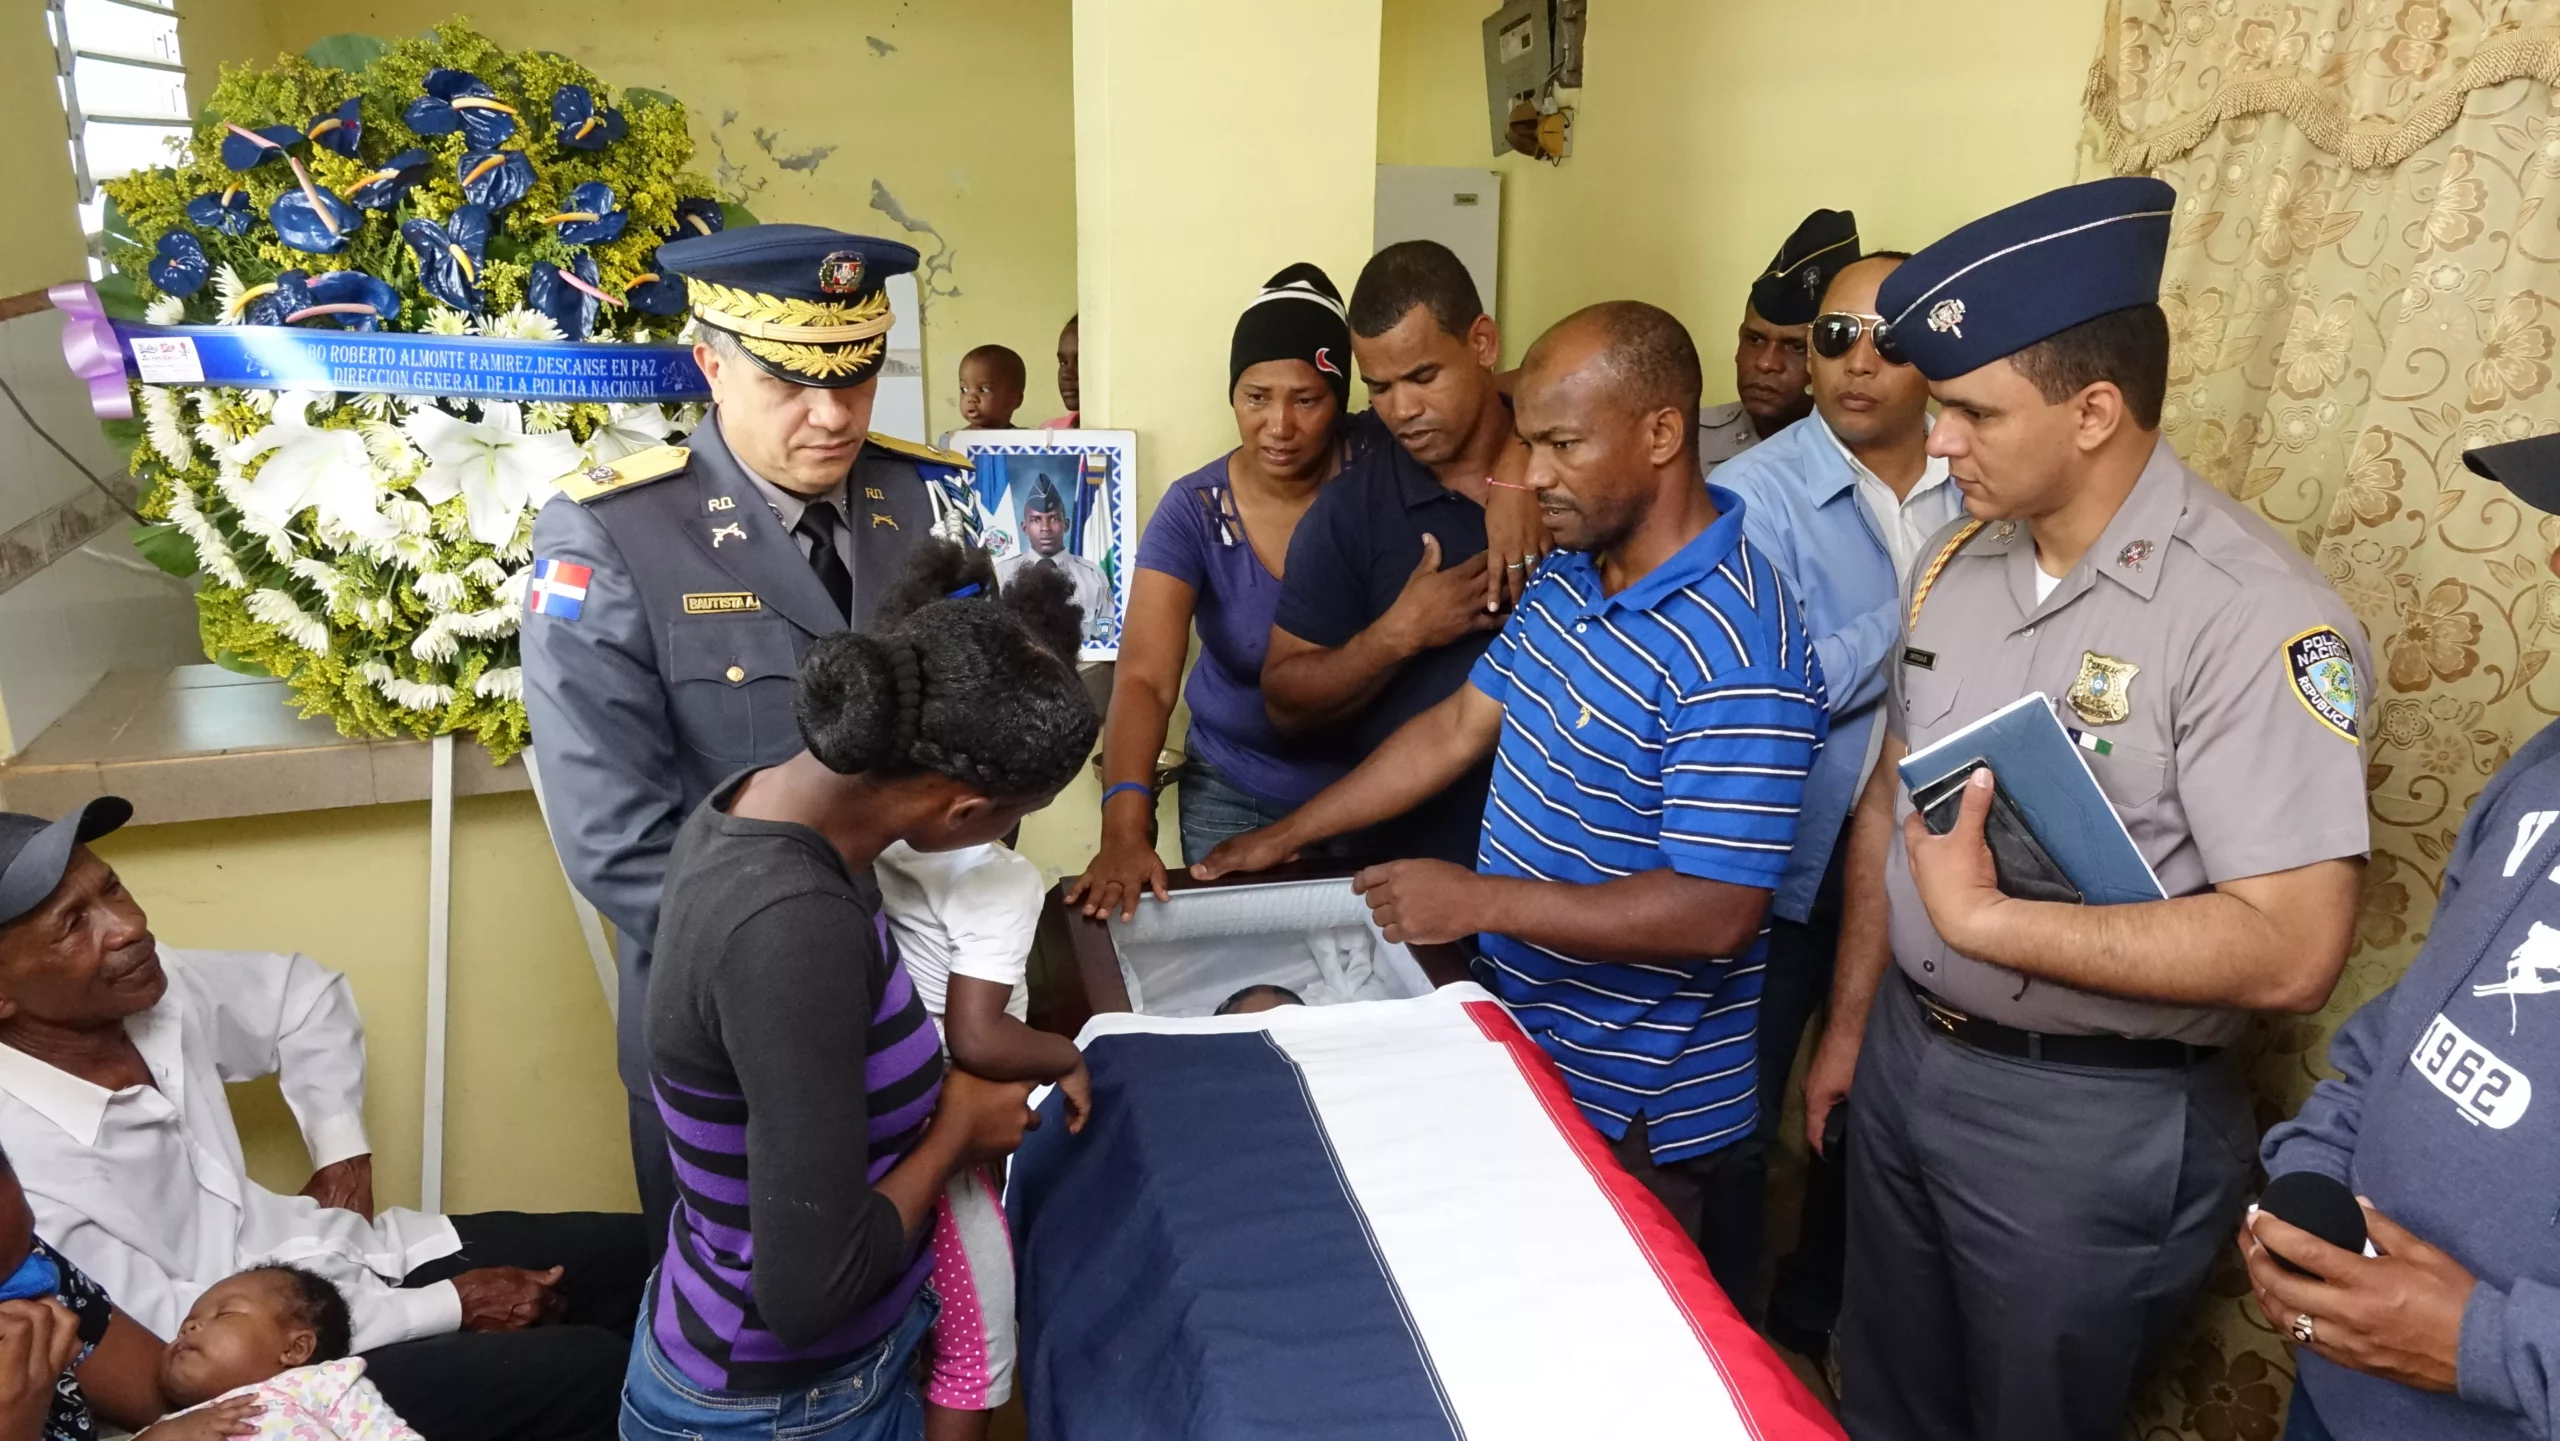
(1706,131)
(534,1116)
(964,120)
(41,244)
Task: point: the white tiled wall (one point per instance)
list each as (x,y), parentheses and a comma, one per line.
(92,611)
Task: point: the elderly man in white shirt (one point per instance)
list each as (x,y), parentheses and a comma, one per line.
(113,1055)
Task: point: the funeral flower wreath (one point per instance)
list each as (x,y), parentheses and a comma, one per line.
(373,549)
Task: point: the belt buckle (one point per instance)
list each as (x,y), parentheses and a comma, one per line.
(1942,1016)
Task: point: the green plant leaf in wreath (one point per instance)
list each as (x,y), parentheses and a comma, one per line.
(165,546)
(350,53)
(112,228)
(734,215)
(631,94)
(124,435)
(118,295)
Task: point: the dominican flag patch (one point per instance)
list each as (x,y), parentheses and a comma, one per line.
(559,588)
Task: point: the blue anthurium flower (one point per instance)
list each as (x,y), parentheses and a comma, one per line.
(354,287)
(449,256)
(384,189)
(548,290)
(338,129)
(459,100)
(313,218)
(178,266)
(583,125)
(590,218)
(249,149)
(227,210)
(289,295)
(696,215)
(654,292)
(496,179)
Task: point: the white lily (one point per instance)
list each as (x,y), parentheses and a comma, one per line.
(308,467)
(495,467)
(628,430)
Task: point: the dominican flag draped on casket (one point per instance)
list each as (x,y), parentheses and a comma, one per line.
(1378,1220)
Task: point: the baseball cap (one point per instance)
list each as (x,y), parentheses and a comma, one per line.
(34,852)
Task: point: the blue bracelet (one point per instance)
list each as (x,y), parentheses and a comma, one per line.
(1109,791)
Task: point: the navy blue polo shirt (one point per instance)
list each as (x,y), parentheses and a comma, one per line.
(1669,725)
(1349,560)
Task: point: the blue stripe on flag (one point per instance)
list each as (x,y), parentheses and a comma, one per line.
(1194,1266)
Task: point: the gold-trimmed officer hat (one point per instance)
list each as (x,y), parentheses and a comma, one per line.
(807,303)
(1789,292)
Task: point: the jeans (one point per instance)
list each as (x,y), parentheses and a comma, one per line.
(870,1398)
(1213,810)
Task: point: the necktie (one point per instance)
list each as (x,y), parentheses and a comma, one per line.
(819,523)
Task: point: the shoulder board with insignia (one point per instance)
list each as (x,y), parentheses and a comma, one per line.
(918,450)
(629,473)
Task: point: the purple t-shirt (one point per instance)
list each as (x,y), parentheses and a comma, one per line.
(1197,537)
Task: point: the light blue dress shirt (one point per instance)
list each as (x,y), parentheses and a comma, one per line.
(1801,511)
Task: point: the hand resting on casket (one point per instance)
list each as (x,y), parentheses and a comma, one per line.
(985,1041)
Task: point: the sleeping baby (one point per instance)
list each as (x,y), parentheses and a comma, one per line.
(264,1354)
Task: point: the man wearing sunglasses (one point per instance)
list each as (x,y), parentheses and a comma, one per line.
(1769,354)
(2051,1130)
(1839,502)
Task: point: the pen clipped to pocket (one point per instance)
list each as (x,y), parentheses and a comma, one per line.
(2027,872)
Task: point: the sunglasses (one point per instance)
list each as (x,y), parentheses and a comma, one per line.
(1835,332)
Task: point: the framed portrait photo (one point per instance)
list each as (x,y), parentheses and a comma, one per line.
(1065,499)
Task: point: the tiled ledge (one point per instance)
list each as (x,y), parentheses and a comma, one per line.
(200,743)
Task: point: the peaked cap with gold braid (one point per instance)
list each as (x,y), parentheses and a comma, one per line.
(809,304)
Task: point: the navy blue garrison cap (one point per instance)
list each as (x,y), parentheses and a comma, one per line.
(1789,292)
(35,852)
(2530,468)
(807,302)
(2027,273)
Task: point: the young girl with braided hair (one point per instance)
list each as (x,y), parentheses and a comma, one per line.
(816,1129)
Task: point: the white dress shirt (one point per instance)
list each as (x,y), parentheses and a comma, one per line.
(145,1188)
(1905,522)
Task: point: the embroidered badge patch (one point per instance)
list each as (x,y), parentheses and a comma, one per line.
(2103,694)
(558,588)
(2323,674)
(720,602)
(840,273)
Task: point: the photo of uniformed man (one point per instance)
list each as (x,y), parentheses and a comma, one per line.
(1044,533)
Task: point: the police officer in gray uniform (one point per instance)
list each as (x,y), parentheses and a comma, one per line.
(2051,1136)
(1769,366)
(675,591)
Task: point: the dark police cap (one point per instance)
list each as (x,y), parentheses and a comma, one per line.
(1043,497)
(1789,292)
(35,852)
(2530,468)
(808,303)
(2027,273)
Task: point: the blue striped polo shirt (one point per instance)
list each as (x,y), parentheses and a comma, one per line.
(1671,724)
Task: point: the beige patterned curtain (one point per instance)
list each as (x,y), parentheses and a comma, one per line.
(2364,282)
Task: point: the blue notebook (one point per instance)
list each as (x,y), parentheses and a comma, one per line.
(2041,772)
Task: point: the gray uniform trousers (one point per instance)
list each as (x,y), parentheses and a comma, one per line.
(2022,1234)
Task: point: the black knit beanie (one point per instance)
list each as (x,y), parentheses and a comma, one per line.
(1298,316)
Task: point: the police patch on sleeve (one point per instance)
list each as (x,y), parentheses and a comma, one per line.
(2323,674)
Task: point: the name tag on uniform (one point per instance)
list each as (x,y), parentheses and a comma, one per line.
(720,602)
(1913,655)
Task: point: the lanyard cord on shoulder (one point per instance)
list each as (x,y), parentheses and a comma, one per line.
(1929,577)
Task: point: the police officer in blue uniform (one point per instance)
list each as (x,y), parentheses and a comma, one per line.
(675,590)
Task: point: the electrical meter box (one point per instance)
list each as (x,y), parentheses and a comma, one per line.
(1519,57)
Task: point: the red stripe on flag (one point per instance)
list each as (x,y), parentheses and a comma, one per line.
(1773,1404)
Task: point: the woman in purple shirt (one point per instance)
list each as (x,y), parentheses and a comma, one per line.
(1212,554)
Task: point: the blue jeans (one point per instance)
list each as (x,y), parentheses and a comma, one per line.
(870,1398)
(1213,810)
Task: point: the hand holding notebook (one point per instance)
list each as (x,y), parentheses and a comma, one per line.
(2053,835)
